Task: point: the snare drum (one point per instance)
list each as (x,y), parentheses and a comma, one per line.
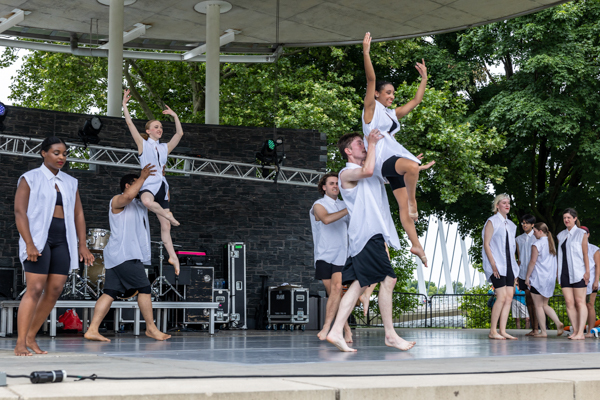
(97,239)
(96,273)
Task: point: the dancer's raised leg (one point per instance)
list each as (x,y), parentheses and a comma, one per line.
(165,235)
(148,200)
(408,224)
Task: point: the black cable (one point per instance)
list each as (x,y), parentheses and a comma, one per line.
(123,378)
(17,376)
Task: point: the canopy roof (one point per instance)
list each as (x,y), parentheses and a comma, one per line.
(175,25)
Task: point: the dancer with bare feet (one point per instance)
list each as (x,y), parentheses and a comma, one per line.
(393,162)
(499,263)
(592,287)
(329,223)
(125,254)
(155,192)
(49,218)
(574,271)
(541,276)
(371,227)
(524,243)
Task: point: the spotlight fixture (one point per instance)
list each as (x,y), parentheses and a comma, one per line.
(3,112)
(91,129)
(268,155)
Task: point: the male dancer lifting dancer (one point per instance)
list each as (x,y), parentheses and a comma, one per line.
(371,228)
(127,251)
(329,223)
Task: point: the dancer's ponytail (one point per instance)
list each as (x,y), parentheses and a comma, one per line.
(540,226)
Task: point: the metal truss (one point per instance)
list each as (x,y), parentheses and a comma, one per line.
(176,164)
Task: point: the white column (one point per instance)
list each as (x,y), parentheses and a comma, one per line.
(445,262)
(213,28)
(420,277)
(115,57)
(465,260)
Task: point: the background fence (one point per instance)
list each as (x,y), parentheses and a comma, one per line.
(469,311)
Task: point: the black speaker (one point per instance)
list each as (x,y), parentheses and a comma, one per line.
(8,283)
(199,290)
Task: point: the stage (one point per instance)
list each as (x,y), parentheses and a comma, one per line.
(267,364)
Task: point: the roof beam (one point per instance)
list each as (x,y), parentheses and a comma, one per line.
(138,30)
(228,37)
(15,17)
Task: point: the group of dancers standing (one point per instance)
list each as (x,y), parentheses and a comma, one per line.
(51,224)
(574,263)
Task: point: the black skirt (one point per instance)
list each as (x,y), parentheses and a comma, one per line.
(369,266)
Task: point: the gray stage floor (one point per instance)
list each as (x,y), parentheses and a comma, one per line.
(268,347)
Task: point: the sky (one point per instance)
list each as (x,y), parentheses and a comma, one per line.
(6,74)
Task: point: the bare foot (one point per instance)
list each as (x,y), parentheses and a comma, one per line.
(509,337)
(32,344)
(323,334)
(348,336)
(158,335)
(536,335)
(532,333)
(175,263)
(94,335)
(577,337)
(364,300)
(560,330)
(496,336)
(172,219)
(588,335)
(339,342)
(21,350)
(419,252)
(399,343)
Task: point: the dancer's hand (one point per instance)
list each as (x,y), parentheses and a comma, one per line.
(126,97)
(32,252)
(527,282)
(426,166)
(367,43)
(148,170)
(422,69)
(374,137)
(164,173)
(495,271)
(170,112)
(586,277)
(85,255)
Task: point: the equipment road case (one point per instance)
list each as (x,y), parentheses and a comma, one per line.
(288,307)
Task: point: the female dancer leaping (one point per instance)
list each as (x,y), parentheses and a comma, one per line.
(393,161)
(541,278)
(155,191)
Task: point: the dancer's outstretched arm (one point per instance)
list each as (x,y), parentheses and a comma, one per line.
(179,130)
(139,140)
(408,107)
(120,201)
(350,177)
(371,80)
(534,256)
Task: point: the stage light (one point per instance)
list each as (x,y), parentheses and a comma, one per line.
(268,155)
(91,129)
(3,112)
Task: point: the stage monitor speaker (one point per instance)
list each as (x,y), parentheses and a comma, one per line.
(234,258)
(199,290)
(8,283)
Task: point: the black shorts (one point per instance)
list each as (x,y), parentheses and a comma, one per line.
(388,171)
(534,291)
(159,197)
(576,285)
(369,266)
(522,285)
(55,258)
(508,280)
(324,270)
(126,276)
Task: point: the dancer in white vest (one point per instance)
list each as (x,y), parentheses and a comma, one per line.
(50,221)
(499,263)
(574,271)
(371,228)
(592,286)
(524,243)
(392,161)
(125,254)
(329,223)
(155,192)
(540,278)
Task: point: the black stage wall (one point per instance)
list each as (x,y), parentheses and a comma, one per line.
(271,219)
